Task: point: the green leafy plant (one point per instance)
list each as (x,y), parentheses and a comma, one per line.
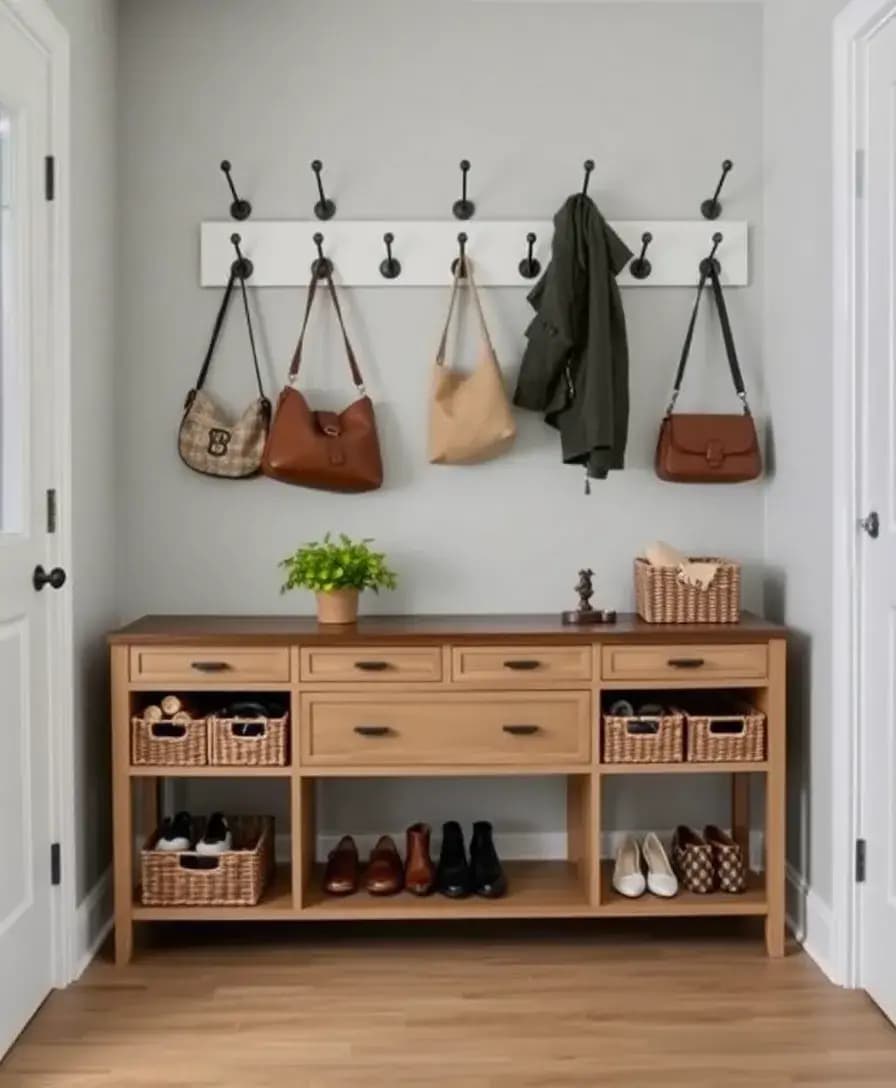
(337,564)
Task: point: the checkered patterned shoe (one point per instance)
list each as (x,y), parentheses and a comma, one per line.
(728,859)
(692,859)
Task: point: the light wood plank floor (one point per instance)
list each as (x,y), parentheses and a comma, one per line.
(494,1005)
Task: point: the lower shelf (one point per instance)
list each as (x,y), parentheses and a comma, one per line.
(685,904)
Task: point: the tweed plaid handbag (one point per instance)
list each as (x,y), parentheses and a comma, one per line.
(208,441)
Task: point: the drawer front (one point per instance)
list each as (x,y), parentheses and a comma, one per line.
(376,664)
(452,729)
(517,665)
(684,662)
(209,664)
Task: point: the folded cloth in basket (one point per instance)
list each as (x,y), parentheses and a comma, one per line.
(690,572)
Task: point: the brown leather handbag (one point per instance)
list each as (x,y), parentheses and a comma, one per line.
(333,451)
(703,448)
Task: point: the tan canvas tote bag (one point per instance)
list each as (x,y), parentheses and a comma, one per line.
(470,418)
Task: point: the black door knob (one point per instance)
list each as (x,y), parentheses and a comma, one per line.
(55,578)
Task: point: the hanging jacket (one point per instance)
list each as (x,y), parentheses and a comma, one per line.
(575,366)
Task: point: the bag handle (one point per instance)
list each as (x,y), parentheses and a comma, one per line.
(297,356)
(467,274)
(727,336)
(216,332)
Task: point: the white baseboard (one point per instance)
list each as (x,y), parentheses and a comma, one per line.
(93,921)
(811,922)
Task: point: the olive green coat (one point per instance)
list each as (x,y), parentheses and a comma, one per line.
(575,366)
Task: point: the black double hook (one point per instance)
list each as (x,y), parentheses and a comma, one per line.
(242,266)
(322,266)
(324,208)
(640,267)
(459,264)
(709,263)
(529,267)
(463,208)
(239,209)
(390,268)
(712,208)
(589,166)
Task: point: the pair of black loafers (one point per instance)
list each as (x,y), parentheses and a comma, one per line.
(483,874)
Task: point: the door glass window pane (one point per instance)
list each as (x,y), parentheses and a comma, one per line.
(11,421)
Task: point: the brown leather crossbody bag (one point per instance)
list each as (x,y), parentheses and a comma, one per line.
(704,448)
(332,451)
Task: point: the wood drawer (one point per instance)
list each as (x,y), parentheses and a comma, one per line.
(719,662)
(209,664)
(519,665)
(363,664)
(356,729)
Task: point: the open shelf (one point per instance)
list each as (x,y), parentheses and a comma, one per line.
(276,903)
(752,901)
(209,772)
(683,768)
(536,889)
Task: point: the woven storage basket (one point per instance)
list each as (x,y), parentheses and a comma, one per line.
(266,749)
(644,739)
(235,879)
(188,749)
(662,598)
(726,738)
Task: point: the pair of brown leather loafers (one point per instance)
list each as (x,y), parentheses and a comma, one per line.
(385,873)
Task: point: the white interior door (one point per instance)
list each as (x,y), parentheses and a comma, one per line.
(878,606)
(25,442)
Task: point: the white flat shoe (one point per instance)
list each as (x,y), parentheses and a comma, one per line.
(660,878)
(628,879)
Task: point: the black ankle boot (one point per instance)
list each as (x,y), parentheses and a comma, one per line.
(488,876)
(453,874)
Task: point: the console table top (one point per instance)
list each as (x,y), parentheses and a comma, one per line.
(285,630)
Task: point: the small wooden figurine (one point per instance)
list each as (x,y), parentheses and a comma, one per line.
(585,613)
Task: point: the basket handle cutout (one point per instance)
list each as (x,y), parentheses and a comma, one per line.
(200,863)
(641,727)
(167,730)
(725,727)
(249,730)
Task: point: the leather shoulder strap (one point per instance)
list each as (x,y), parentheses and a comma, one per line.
(216,332)
(297,355)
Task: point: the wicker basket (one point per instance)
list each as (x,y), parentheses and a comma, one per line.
(662,598)
(726,738)
(644,739)
(265,747)
(235,879)
(166,743)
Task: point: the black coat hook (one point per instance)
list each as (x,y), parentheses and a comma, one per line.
(710,262)
(589,166)
(242,266)
(712,208)
(529,267)
(462,243)
(323,266)
(239,209)
(390,267)
(463,208)
(640,267)
(324,208)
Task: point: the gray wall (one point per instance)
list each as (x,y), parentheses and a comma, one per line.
(92,26)
(391,96)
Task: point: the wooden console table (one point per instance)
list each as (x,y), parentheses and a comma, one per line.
(443,689)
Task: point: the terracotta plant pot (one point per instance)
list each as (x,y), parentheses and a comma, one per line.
(337,606)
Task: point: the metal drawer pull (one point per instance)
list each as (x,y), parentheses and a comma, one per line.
(522,666)
(372,666)
(372,730)
(210,666)
(686,662)
(521,730)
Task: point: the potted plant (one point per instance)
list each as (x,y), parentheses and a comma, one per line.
(337,570)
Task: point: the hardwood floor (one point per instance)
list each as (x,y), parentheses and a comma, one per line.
(689,1004)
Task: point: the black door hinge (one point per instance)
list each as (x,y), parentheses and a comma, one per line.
(50,177)
(860,861)
(55,863)
(51,510)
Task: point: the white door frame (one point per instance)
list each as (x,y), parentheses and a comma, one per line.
(37,20)
(854,30)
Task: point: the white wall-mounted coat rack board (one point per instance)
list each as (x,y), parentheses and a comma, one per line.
(282,252)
